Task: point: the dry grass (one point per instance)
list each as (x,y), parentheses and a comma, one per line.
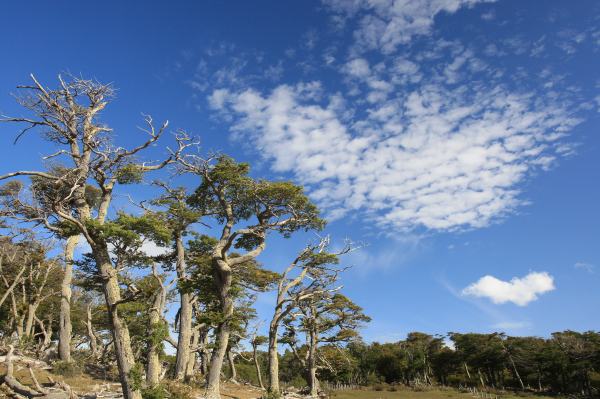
(410,394)
(81,384)
(232,391)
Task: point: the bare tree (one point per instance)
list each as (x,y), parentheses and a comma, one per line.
(256,341)
(68,117)
(312,272)
(34,208)
(324,318)
(177,217)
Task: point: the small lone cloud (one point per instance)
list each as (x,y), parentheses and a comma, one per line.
(519,291)
(588,267)
(512,325)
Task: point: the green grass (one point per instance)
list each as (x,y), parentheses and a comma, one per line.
(409,394)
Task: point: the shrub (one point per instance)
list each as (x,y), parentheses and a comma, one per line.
(271,395)
(66,369)
(178,390)
(380,387)
(157,392)
(298,382)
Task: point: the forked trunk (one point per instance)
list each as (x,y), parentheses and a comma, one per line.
(65,326)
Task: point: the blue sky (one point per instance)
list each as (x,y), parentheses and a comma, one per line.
(457,139)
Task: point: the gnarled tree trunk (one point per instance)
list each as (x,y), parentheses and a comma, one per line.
(313,382)
(222,279)
(120,331)
(273,358)
(257,366)
(65,326)
(191,364)
(231,361)
(185,317)
(90,332)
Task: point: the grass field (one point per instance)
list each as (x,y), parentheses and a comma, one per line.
(408,394)
(85,383)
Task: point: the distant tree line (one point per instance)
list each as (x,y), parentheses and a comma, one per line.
(567,363)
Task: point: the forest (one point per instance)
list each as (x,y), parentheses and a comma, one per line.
(81,293)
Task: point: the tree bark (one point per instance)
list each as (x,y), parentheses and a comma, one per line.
(313,382)
(213,385)
(153,367)
(90,332)
(31,310)
(273,358)
(467,370)
(185,316)
(222,279)
(257,366)
(231,361)
(191,364)
(65,326)
(120,331)
(516,371)
(204,360)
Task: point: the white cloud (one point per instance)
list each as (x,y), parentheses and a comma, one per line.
(151,249)
(434,157)
(433,138)
(512,325)
(386,24)
(519,291)
(358,67)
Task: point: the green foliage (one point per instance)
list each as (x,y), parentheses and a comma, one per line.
(177,390)
(136,376)
(168,390)
(67,369)
(158,333)
(66,229)
(271,395)
(227,182)
(156,392)
(129,174)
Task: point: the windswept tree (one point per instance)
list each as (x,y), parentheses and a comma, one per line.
(69,119)
(30,282)
(250,278)
(177,216)
(313,272)
(33,206)
(329,318)
(246,210)
(256,342)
